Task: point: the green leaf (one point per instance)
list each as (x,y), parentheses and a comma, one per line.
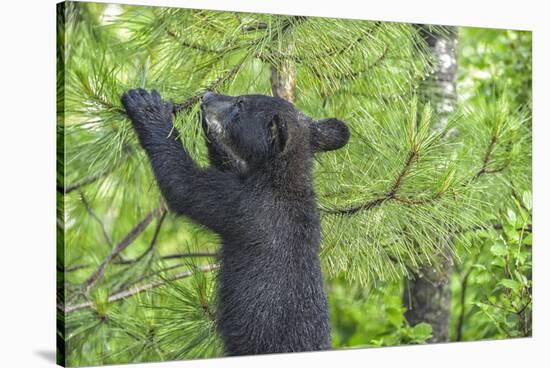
(527,200)
(521,278)
(377,342)
(484,307)
(499,249)
(512,216)
(395,316)
(511,284)
(511,232)
(498,263)
(422,331)
(479,267)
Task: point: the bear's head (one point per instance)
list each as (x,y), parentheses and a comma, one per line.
(252,132)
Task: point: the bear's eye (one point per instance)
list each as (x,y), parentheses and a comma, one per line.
(273,130)
(240,103)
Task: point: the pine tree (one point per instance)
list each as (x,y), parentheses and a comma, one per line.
(142,279)
(427,295)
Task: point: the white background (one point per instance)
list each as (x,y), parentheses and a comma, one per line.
(27,177)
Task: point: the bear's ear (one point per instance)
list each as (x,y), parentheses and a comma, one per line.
(277,133)
(328,134)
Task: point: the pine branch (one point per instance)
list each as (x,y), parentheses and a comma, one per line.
(189,255)
(153,242)
(390,195)
(217,83)
(194,46)
(418,202)
(96,218)
(203,48)
(151,274)
(363,207)
(128,239)
(506,161)
(88,180)
(75,268)
(92,178)
(355,74)
(254,27)
(189,102)
(487,156)
(289,23)
(286,27)
(362,38)
(137,290)
(95,96)
(413,154)
(125,262)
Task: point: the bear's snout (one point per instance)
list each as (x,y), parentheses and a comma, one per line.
(208,97)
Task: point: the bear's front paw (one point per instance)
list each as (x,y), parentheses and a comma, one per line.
(144,108)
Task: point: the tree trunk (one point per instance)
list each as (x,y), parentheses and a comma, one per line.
(440,88)
(283,78)
(427,296)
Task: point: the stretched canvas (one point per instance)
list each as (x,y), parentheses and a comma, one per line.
(234,183)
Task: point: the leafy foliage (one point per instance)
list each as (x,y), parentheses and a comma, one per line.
(366,318)
(494,287)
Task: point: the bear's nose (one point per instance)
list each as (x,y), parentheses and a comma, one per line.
(208,96)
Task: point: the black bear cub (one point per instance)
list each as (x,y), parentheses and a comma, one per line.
(258,196)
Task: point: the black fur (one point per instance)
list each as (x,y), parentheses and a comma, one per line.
(258,195)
